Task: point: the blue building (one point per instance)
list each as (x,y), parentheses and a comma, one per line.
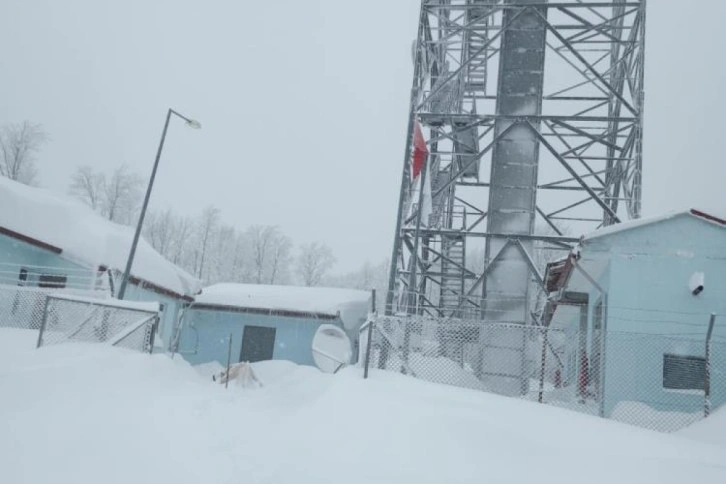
(267,322)
(51,241)
(635,301)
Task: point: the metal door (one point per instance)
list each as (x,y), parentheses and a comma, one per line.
(258,343)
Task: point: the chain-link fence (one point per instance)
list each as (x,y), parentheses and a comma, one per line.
(21,307)
(62,316)
(659,382)
(71,319)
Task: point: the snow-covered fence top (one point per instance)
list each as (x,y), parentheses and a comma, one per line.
(352,305)
(84,236)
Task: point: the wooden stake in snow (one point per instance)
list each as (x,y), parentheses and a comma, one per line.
(229,358)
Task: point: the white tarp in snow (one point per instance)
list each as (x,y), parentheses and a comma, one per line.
(84,236)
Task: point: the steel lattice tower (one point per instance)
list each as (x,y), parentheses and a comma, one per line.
(532,115)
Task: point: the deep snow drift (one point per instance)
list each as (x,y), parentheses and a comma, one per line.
(711,430)
(89,413)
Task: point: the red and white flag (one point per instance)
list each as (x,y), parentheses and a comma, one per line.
(420,151)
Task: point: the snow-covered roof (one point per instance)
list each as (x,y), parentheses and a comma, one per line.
(633,224)
(84,236)
(350,303)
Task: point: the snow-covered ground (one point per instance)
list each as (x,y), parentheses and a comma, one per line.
(89,413)
(711,430)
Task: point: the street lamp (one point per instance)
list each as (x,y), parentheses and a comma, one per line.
(192,123)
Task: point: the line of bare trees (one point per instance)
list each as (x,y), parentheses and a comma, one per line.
(203,244)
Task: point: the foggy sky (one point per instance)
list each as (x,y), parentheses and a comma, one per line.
(303,105)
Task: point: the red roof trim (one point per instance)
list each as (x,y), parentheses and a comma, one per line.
(136,281)
(711,218)
(30,240)
(143,283)
(270,312)
(132,279)
(557,274)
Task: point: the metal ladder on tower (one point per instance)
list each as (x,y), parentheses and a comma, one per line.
(452,274)
(477,37)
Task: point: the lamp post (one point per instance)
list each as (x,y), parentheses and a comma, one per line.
(127,272)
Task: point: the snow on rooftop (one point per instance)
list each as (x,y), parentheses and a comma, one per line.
(633,224)
(351,303)
(84,236)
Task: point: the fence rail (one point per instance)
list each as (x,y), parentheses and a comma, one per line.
(658,382)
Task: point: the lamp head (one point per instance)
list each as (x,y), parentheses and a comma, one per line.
(193,123)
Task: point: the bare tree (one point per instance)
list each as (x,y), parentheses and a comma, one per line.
(269,254)
(159,230)
(314,261)
(181,236)
(279,257)
(18,145)
(116,197)
(207,225)
(221,252)
(239,266)
(88,186)
(369,276)
(122,195)
(259,237)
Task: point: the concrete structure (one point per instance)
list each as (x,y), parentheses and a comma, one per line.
(637,283)
(267,321)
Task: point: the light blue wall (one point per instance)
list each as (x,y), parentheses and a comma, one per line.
(15,254)
(651,310)
(169,314)
(205,336)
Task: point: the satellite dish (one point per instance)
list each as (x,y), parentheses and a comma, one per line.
(331,348)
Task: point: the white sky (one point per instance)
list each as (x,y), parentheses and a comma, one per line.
(304,105)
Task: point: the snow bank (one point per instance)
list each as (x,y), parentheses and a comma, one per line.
(711,430)
(353,305)
(91,413)
(84,236)
(641,414)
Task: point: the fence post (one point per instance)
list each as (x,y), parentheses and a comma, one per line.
(603,352)
(152,338)
(545,332)
(370,333)
(707,376)
(229,359)
(43,322)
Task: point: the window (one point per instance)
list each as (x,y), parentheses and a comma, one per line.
(684,372)
(52,281)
